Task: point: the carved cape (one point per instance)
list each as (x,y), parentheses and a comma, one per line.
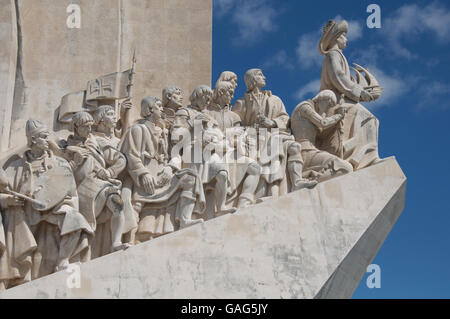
(142,144)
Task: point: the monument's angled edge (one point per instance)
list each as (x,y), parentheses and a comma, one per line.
(127,155)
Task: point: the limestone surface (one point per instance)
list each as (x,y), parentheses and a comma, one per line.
(42,59)
(312,243)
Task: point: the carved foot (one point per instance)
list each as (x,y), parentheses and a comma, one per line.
(225,211)
(304,184)
(120,247)
(192,222)
(63,265)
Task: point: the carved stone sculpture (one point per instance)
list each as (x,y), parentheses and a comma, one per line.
(228,76)
(244,172)
(105,133)
(172,101)
(46,237)
(194,123)
(266,113)
(163,192)
(96,176)
(307,123)
(360,135)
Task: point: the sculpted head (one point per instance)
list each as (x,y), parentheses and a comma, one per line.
(324,100)
(228,76)
(223,93)
(37,134)
(254,78)
(172,96)
(151,106)
(82,124)
(105,115)
(333,36)
(201,96)
(342,41)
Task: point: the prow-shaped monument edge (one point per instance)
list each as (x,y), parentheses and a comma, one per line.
(313,243)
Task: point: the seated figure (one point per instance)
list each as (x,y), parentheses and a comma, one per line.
(100,192)
(307,124)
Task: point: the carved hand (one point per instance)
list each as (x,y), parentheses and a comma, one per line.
(80,156)
(165,177)
(148,183)
(366,96)
(126,105)
(104,174)
(13,201)
(267,123)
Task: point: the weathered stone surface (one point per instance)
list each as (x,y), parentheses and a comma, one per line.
(8,57)
(310,243)
(173,42)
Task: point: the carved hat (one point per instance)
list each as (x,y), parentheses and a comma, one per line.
(330,33)
(34,127)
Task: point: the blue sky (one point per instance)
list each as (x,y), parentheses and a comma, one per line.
(410,57)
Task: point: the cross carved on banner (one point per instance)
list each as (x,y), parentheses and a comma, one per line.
(100,87)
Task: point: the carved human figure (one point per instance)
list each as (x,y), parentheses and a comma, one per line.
(194,123)
(172,101)
(105,133)
(99,189)
(308,121)
(267,114)
(163,192)
(45,232)
(360,138)
(228,76)
(244,172)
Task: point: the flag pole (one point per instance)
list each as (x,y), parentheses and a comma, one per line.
(132,73)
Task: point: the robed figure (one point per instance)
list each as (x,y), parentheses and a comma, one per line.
(358,142)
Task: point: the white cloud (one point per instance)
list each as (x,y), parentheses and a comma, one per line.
(410,21)
(280,59)
(355,29)
(307,50)
(253,18)
(394,86)
(307,47)
(311,88)
(434,95)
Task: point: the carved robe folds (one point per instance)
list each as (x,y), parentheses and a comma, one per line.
(360,138)
(34,238)
(143,144)
(272,143)
(94,191)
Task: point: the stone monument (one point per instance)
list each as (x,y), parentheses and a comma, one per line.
(171,200)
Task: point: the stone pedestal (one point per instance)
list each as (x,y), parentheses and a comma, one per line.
(308,244)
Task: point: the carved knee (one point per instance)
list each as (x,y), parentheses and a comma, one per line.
(115,203)
(187,182)
(222,176)
(254,169)
(294,149)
